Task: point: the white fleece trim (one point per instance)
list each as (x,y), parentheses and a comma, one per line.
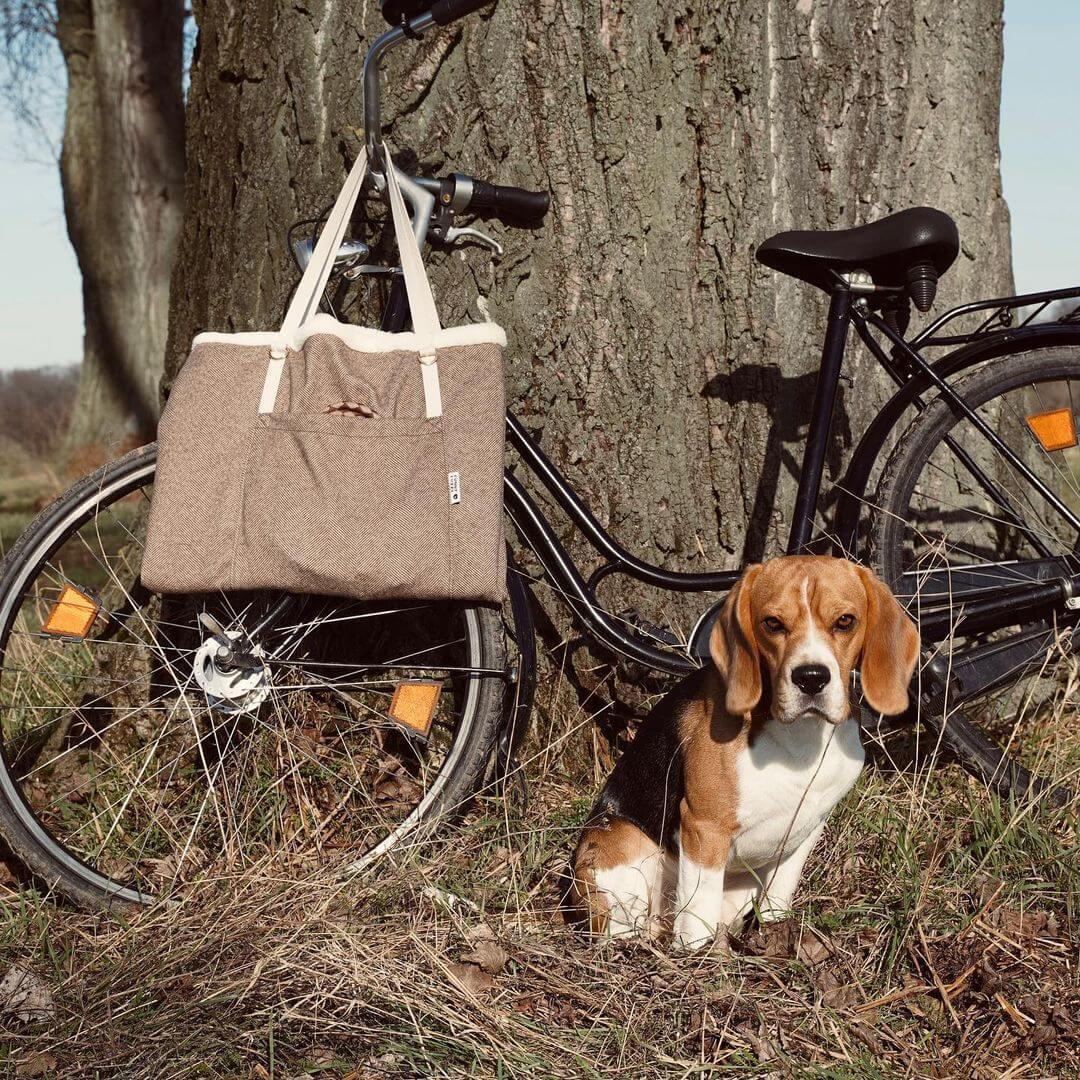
(362,338)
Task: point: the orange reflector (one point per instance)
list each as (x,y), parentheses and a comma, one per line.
(72,615)
(414,704)
(1055,430)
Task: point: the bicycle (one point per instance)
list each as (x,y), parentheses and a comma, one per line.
(147,738)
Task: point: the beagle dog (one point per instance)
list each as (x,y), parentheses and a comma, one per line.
(716,805)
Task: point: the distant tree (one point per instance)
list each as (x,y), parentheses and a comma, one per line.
(122,172)
(35,404)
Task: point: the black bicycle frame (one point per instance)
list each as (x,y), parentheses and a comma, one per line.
(962,605)
(581,594)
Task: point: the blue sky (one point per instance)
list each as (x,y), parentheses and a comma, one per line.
(41,307)
(1040,149)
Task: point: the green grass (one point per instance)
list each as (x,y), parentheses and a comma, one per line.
(24,485)
(12,524)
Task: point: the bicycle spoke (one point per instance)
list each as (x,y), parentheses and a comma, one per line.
(943,521)
(149,776)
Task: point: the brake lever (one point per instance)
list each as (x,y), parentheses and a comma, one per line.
(467,234)
(370,269)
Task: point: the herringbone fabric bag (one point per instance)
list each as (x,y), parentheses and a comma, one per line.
(333,459)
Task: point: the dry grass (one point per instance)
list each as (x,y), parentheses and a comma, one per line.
(936,936)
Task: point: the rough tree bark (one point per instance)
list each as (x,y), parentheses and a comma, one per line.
(122,171)
(664,370)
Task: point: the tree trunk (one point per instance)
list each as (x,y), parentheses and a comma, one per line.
(663,369)
(122,171)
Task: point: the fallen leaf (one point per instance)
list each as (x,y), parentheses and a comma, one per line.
(527,1005)
(1021,924)
(162,869)
(472,978)
(488,955)
(396,787)
(564,1012)
(867,1037)
(987,978)
(814,947)
(387,790)
(37,1064)
(1043,1035)
(835,992)
(25,995)
(765,1048)
(789,939)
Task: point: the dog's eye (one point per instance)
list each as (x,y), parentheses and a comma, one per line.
(772,624)
(845,622)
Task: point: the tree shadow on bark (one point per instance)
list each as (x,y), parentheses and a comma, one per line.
(613,695)
(787,400)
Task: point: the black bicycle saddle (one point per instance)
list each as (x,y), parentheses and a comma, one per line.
(886,249)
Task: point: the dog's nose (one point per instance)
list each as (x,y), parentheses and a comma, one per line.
(810,678)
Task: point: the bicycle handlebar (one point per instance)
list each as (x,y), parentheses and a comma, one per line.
(513,206)
(447,11)
(509,202)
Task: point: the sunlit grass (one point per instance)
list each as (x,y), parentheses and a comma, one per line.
(944,919)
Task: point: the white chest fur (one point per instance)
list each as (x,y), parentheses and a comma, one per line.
(789,781)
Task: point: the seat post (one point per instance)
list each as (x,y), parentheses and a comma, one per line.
(817,441)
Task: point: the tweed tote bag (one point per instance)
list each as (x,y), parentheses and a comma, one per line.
(334,459)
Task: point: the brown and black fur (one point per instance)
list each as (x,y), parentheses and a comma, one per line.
(675,794)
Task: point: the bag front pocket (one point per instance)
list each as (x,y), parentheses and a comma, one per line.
(347,506)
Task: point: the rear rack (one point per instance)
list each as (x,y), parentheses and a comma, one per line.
(999,317)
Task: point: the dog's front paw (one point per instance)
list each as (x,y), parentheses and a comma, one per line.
(692,934)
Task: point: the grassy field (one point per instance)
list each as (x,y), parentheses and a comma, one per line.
(15,513)
(25,485)
(936,936)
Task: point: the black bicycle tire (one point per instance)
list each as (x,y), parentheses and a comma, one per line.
(973,750)
(85,890)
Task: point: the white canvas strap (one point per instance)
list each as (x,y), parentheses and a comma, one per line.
(305,302)
(272,381)
(425,318)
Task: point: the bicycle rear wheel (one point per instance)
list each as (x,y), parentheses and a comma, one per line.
(137,761)
(955,519)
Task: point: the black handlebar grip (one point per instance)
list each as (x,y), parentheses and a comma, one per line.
(447,11)
(512,202)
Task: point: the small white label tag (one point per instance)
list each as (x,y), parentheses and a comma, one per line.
(454,480)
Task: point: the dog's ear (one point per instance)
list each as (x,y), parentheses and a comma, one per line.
(734,647)
(890,648)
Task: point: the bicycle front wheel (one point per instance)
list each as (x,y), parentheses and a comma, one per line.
(150,741)
(958,519)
